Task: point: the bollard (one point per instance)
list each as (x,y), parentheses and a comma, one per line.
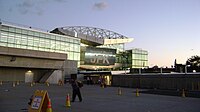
(1,82)
(31,84)
(183,93)
(17,82)
(13,84)
(119,91)
(47,83)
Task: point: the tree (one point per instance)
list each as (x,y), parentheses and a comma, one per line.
(194,63)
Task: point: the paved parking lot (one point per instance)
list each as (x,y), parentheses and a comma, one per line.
(95,99)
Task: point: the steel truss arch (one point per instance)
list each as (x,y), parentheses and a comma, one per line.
(95,32)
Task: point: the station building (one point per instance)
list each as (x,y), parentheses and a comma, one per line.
(29,54)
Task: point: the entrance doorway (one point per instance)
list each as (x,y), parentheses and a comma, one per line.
(29,76)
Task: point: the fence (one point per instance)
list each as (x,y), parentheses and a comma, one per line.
(189,82)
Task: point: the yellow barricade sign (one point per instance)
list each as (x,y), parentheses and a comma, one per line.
(39,102)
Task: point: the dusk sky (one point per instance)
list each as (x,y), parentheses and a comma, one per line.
(167,29)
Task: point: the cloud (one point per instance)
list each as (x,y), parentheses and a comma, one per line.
(27,7)
(100,6)
(60,0)
(10,9)
(34,6)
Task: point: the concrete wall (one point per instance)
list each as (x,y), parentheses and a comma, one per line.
(18,74)
(31,53)
(14,63)
(28,62)
(167,81)
(55,77)
(70,67)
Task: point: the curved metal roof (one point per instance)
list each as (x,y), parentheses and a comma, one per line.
(95,32)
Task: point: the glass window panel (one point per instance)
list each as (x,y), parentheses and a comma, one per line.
(41,48)
(3,38)
(36,41)
(17,39)
(37,34)
(11,39)
(35,48)
(71,47)
(67,40)
(62,38)
(30,42)
(47,44)
(18,30)
(57,37)
(57,45)
(42,43)
(76,41)
(5,28)
(12,34)
(76,56)
(30,47)
(11,29)
(4,33)
(71,56)
(71,40)
(30,32)
(23,46)
(77,48)
(11,45)
(53,37)
(53,44)
(48,36)
(3,44)
(42,35)
(24,32)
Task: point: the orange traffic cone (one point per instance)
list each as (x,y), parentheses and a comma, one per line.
(68,101)
(49,109)
(137,92)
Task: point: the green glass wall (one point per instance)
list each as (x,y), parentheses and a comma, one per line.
(139,58)
(24,38)
(118,47)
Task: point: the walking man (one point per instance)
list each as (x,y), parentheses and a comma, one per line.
(76,90)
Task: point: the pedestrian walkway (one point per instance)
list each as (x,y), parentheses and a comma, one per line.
(95,99)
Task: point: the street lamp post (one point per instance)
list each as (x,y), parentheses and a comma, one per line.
(186,68)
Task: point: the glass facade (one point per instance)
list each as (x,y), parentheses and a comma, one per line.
(139,58)
(24,38)
(118,47)
(29,38)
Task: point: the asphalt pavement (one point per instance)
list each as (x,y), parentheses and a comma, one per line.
(95,99)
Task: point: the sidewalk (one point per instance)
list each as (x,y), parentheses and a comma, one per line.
(95,99)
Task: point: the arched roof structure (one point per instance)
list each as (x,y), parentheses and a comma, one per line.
(95,32)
